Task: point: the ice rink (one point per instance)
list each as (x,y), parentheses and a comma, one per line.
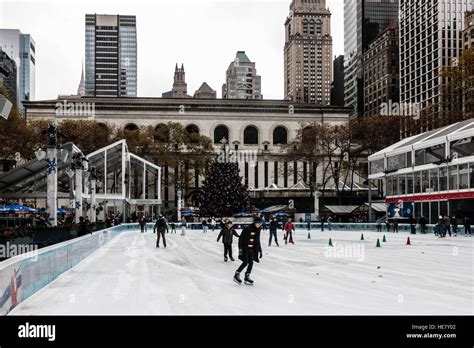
(130,276)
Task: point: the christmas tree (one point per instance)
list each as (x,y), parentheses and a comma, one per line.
(223,193)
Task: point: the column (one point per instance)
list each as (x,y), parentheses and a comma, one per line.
(52,185)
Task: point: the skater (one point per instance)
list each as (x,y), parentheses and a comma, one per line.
(467,226)
(204,226)
(273,226)
(447,225)
(264,223)
(173,227)
(227,234)
(160,228)
(454,223)
(83,230)
(422,223)
(387,224)
(142,224)
(289,228)
(329,221)
(213,224)
(308,225)
(183,226)
(395,226)
(250,250)
(322,224)
(379,225)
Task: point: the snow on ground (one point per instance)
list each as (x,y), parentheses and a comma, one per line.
(129,276)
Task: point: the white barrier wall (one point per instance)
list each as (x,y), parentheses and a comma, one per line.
(23,275)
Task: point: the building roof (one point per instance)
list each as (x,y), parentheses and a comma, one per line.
(428,137)
(241,57)
(341,209)
(205,88)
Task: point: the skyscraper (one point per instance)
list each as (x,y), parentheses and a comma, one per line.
(8,74)
(21,48)
(337,86)
(364,20)
(430,38)
(308,53)
(242,81)
(468,33)
(111,55)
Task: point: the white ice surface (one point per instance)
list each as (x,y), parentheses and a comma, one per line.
(129,276)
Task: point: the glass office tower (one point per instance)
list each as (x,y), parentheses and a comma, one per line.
(111,56)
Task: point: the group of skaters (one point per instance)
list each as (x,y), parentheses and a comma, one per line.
(449,225)
(446,226)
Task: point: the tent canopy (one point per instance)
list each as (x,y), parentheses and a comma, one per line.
(341,209)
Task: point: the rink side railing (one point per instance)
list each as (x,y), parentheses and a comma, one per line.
(22,276)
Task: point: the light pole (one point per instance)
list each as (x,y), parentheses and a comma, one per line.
(179,194)
(52,178)
(93,181)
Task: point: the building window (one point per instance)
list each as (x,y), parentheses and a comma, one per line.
(221,133)
(266,174)
(280,136)
(251,136)
(192,129)
(131,127)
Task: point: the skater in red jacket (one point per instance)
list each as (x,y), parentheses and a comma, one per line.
(289,228)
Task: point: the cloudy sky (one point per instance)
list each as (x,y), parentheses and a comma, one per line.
(202,34)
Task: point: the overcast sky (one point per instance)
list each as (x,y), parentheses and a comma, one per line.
(204,35)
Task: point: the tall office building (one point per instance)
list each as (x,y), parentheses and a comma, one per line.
(381,71)
(21,48)
(364,20)
(468,33)
(111,55)
(8,74)
(308,70)
(242,81)
(430,38)
(337,86)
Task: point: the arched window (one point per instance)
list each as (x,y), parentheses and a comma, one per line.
(131,127)
(312,26)
(221,132)
(280,136)
(162,133)
(251,136)
(319,26)
(192,129)
(305,26)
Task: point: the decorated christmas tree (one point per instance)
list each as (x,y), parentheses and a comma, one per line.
(223,193)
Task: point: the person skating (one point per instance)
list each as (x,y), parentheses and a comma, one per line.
(395,226)
(289,228)
(422,222)
(467,226)
(454,223)
(160,228)
(273,226)
(173,227)
(183,226)
(204,226)
(250,250)
(447,225)
(142,223)
(227,234)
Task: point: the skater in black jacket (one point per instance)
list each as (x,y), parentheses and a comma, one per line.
(273,231)
(228,234)
(160,227)
(250,250)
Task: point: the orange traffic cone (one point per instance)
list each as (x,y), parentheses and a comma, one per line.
(408,241)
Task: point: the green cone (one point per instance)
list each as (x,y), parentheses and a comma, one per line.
(378,244)
(330,242)
(384,239)
(362,237)
(309,235)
